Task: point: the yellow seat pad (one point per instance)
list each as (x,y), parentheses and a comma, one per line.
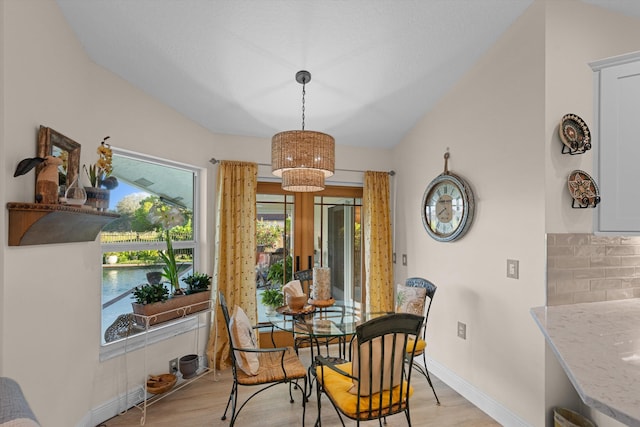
(337,388)
(420,346)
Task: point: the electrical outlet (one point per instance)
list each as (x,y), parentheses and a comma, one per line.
(513,267)
(173,365)
(462,330)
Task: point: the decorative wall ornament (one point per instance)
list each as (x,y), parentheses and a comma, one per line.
(583,189)
(574,134)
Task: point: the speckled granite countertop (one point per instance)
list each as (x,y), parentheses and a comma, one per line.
(598,345)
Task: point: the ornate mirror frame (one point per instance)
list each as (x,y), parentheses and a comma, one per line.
(48,139)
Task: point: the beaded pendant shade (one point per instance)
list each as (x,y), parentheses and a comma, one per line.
(302,158)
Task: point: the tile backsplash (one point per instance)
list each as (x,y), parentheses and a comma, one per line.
(589,268)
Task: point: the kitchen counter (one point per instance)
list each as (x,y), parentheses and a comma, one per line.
(598,345)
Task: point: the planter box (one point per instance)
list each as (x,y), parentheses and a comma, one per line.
(174,308)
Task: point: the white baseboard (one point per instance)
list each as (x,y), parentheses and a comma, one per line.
(112,408)
(484,402)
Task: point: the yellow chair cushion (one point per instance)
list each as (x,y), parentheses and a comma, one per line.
(420,346)
(337,387)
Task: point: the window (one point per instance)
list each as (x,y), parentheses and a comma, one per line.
(131,244)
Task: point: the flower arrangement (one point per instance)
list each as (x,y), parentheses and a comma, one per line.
(168,217)
(99,173)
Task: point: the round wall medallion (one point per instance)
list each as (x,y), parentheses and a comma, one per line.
(574,133)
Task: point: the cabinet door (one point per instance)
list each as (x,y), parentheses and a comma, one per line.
(619,148)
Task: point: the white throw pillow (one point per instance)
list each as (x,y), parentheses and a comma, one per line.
(377,364)
(243,337)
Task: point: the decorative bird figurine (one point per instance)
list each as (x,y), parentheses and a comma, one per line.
(27,164)
(47,181)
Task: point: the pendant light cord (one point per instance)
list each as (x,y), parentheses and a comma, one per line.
(304,82)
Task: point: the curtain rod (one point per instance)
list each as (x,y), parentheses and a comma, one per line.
(213,161)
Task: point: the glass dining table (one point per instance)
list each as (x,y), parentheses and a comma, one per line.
(324,330)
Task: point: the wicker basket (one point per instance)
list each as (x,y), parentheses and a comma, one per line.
(158,384)
(563,417)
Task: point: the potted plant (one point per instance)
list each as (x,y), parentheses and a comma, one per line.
(153,303)
(99,175)
(150,293)
(170,269)
(272,298)
(197,282)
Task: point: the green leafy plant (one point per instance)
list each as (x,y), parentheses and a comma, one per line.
(197,282)
(170,269)
(272,297)
(148,294)
(280,271)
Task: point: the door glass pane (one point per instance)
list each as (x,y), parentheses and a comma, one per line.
(274,244)
(338,245)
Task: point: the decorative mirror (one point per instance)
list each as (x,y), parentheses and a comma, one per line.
(52,143)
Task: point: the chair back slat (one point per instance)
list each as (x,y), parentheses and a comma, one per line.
(380,359)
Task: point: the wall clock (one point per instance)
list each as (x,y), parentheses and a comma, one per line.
(447,206)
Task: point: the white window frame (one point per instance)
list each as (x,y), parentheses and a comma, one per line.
(173,328)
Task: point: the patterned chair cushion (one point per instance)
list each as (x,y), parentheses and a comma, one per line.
(410,299)
(243,337)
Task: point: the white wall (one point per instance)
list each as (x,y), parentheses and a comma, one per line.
(51,293)
(500,123)
(493,122)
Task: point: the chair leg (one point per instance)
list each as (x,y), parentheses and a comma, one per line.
(426,372)
(304,400)
(408,415)
(233,400)
(231,396)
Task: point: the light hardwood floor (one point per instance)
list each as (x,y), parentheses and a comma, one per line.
(202,404)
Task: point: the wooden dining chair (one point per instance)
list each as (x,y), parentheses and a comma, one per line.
(421,304)
(376,382)
(252,366)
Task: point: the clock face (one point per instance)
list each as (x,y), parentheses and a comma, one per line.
(447,208)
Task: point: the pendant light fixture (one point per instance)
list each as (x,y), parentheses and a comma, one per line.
(302,158)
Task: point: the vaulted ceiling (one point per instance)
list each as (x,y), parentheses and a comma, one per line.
(377,66)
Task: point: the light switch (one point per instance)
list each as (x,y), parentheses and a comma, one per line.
(513,267)
(404,259)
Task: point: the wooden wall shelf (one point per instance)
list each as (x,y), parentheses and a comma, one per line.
(40,224)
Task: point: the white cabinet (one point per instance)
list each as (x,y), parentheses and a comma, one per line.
(617,143)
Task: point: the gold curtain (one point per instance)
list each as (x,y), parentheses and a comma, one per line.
(377,236)
(235,251)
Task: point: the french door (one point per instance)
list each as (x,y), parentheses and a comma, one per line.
(306,230)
